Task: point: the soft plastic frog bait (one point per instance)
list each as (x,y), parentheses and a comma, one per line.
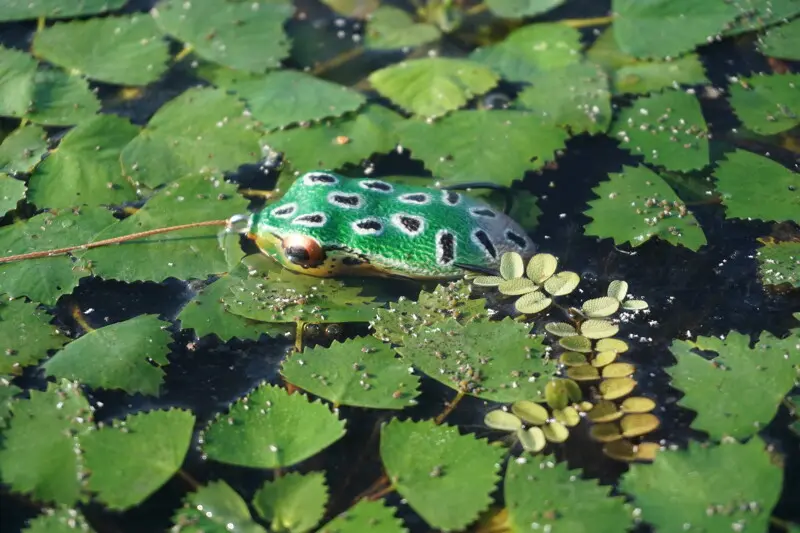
(330,225)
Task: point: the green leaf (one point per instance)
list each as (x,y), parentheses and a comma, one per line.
(465,358)
(38,454)
(661,28)
(711,488)
(84,169)
(635,76)
(532,49)
(270,428)
(517,9)
(44,280)
(333,143)
(629,207)
(753,186)
(357,9)
(541,491)
(214,508)
(447,147)
(575,96)
(779,263)
(55,9)
(61,520)
(26,335)
(228,33)
(22,149)
(17,71)
(767,104)
(390,28)
(667,129)
(134,457)
(433,86)
(204,130)
(294,502)
(11,192)
(782,41)
(117,356)
(126,50)
(361,372)
(372,516)
(186,254)
(758,14)
(739,390)
(449,484)
(7,393)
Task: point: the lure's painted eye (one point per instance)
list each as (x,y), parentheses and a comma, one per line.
(302,250)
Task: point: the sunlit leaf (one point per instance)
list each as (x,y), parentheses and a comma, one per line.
(753,186)
(117,356)
(362,372)
(767,104)
(629,206)
(38,453)
(510,142)
(229,33)
(26,335)
(85,169)
(433,86)
(54,9)
(22,149)
(128,49)
(60,520)
(204,130)
(366,515)
(270,428)
(712,488)
(390,27)
(778,263)
(357,9)
(7,393)
(516,9)
(739,390)
(758,14)
(11,192)
(782,41)
(133,457)
(294,502)
(459,470)
(214,508)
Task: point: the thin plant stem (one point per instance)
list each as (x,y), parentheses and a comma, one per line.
(583,23)
(377,486)
(338,60)
(192,482)
(80,319)
(381,493)
(450,407)
(476,9)
(187,49)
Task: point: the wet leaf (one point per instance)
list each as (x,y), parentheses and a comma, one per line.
(373,516)
(38,455)
(709,487)
(7,394)
(61,520)
(270,428)
(54,9)
(544,492)
(452,464)
(517,9)
(213,508)
(466,358)
(11,192)
(44,280)
(431,87)
(85,169)
(738,391)
(294,502)
(333,143)
(753,186)
(502,420)
(782,41)
(532,49)
(512,143)
(779,263)
(228,32)
(117,356)
(667,129)
(390,28)
(126,50)
(575,96)
(22,149)
(26,335)
(362,372)
(767,104)
(629,206)
(114,455)
(758,14)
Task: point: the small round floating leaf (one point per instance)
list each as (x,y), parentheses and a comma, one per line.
(583,373)
(621,450)
(600,307)
(604,411)
(530,412)
(584,407)
(576,343)
(541,267)
(555,432)
(598,329)
(532,439)
(637,404)
(634,305)
(487,281)
(646,451)
(572,359)
(511,265)
(517,286)
(614,388)
(618,370)
(573,390)
(568,416)
(556,393)
(532,303)
(618,289)
(560,329)
(562,283)
(636,425)
(604,358)
(605,432)
(611,345)
(502,420)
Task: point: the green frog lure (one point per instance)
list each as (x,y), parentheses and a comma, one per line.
(330,225)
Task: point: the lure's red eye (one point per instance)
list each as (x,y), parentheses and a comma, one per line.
(302,250)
